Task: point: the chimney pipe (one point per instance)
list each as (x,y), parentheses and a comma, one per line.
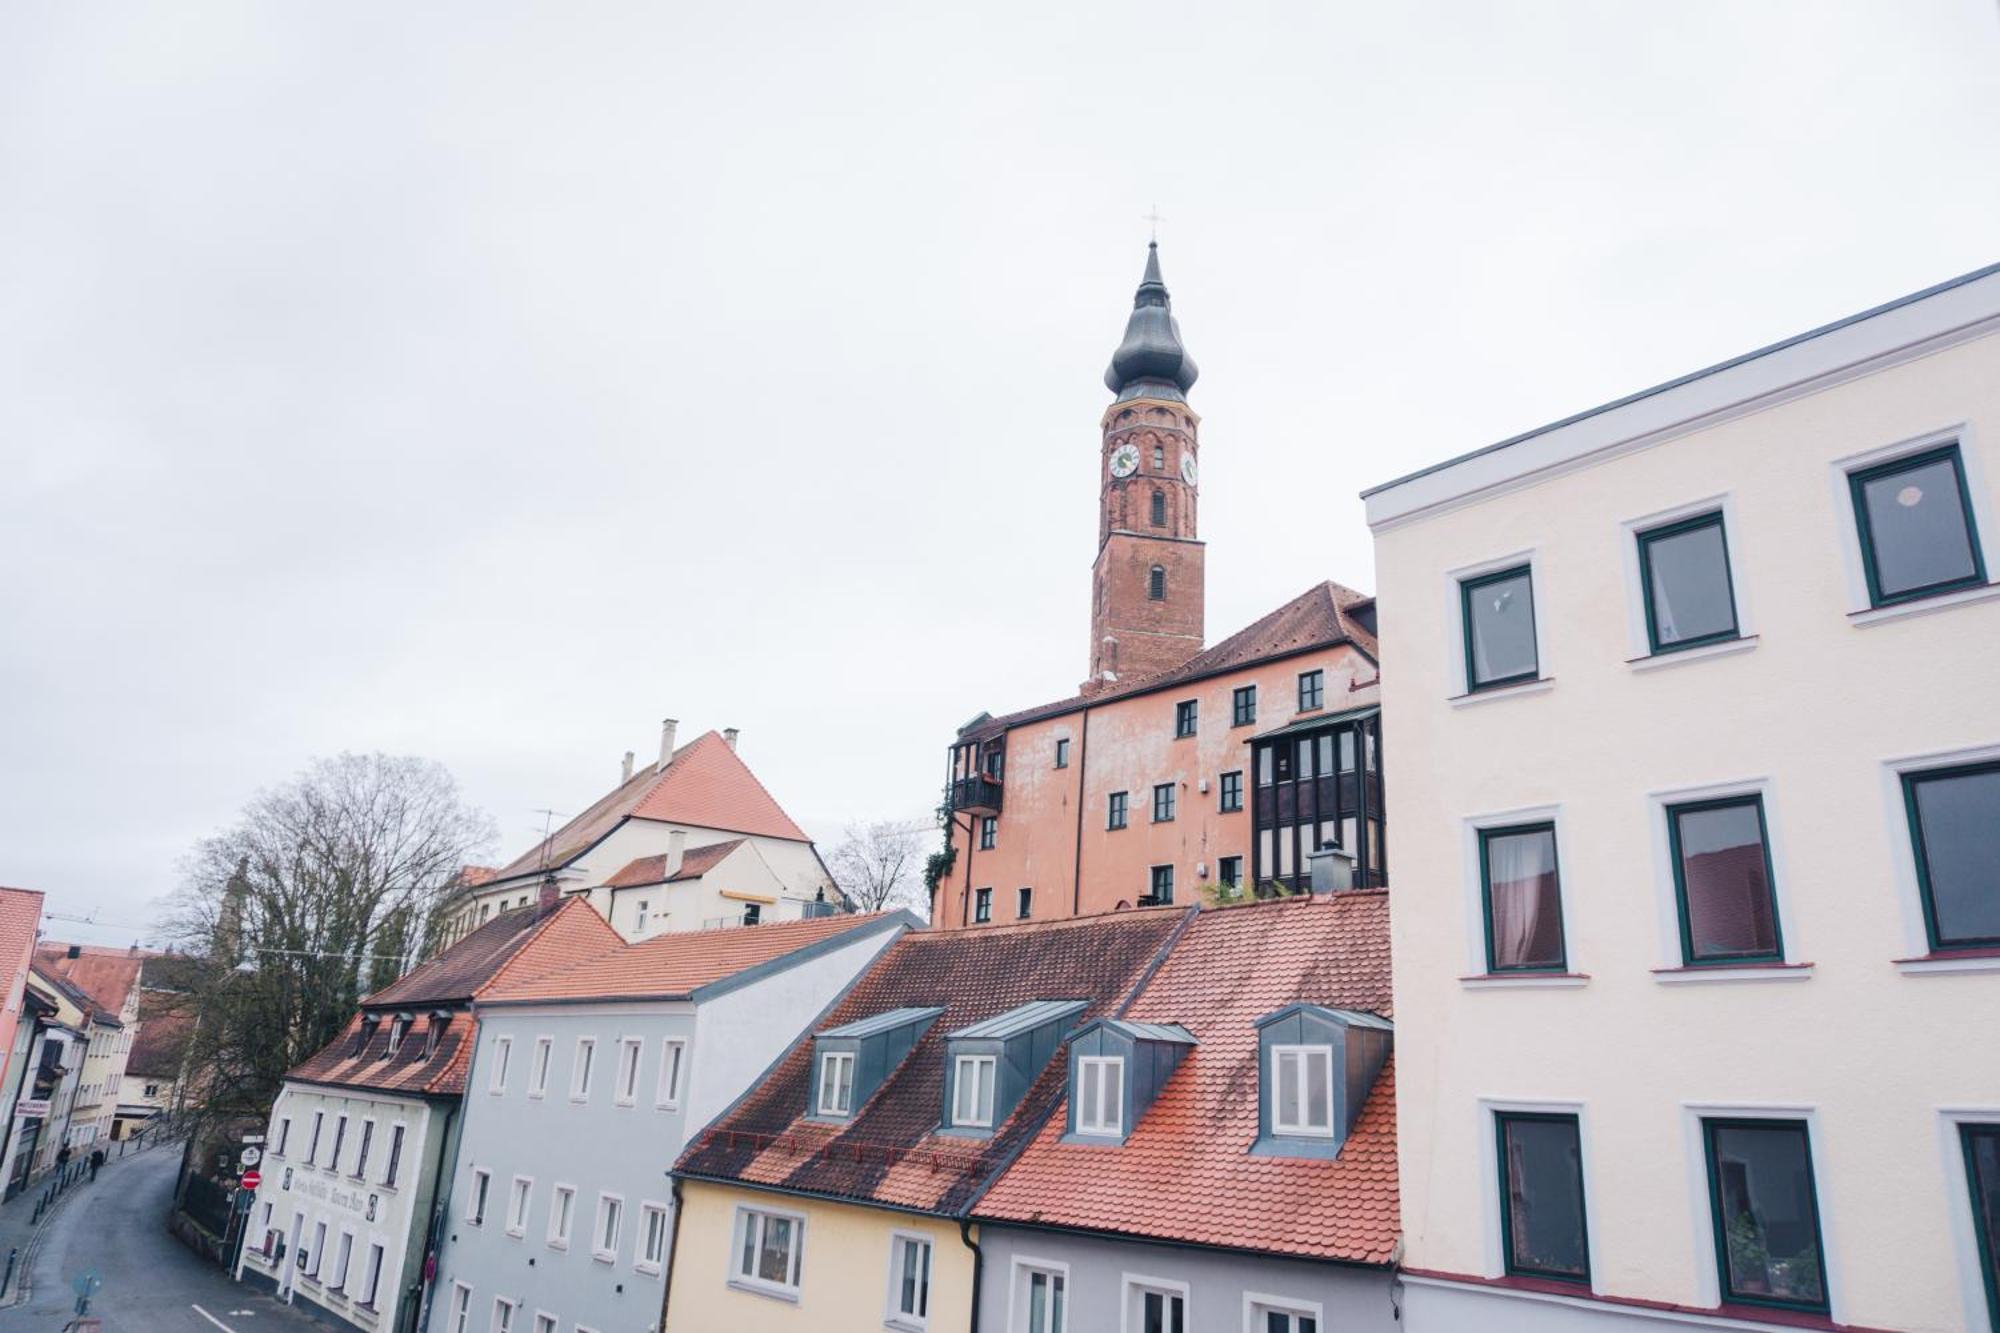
(677,842)
(667,726)
(627,775)
(547,891)
(729,735)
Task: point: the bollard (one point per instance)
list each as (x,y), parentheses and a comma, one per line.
(7,1281)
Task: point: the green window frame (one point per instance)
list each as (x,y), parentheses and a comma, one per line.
(1186,714)
(1229,792)
(1243,706)
(1062,752)
(1920,851)
(982,905)
(1517,1267)
(1776,953)
(1721,1230)
(1165,798)
(1466,588)
(1857,482)
(1312,689)
(1494,966)
(1680,528)
(989,832)
(1983,1141)
(1116,810)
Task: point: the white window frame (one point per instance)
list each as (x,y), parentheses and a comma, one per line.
(538,1069)
(520,1205)
(958,1067)
(478,1196)
(673,1073)
(1701,1205)
(829,1084)
(362,1145)
(648,1210)
(583,1068)
(1475,976)
(392,1164)
(1493,1250)
(511,1307)
(461,1308)
(339,1142)
(631,1054)
(1671,968)
(1114,1127)
(605,1208)
(750,1281)
(1915,958)
(1860,612)
(344,1262)
(1281,1128)
(375,1256)
(892,1312)
(547,1323)
(317,1255)
(1018,1274)
(1132,1290)
(558,1238)
(503,1051)
(1964,1229)
(283,1136)
(1256,1302)
(1643,657)
(1463,695)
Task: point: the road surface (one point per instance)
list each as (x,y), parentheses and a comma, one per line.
(152,1283)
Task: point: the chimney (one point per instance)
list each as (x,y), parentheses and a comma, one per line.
(548,892)
(627,775)
(667,726)
(677,843)
(729,735)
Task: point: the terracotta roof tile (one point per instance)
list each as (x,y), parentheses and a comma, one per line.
(697,861)
(1185,1174)
(706,784)
(890,1152)
(20,923)
(106,975)
(676,963)
(1319,617)
(166,1024)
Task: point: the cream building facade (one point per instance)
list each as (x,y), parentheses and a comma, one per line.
(1697,937)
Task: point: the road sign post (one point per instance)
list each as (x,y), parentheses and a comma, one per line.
(252,1179)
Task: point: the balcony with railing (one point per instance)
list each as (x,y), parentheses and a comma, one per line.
(976,795)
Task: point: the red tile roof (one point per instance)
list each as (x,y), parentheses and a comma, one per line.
(106,975)
(697,862)
(705,785)
(20,923)
(891,1152)
(1185,1173)
(679,962)
(1320,617)
(166,1025)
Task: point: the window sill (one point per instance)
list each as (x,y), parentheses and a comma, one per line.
(1918,606)
(1701,653)
(558,1244)
(650,1270)
(1515,691)
(1677,976)
(1951,960)
(516,1233)
(902,1325)
(1524,980)
(766,1290)
(604,1256)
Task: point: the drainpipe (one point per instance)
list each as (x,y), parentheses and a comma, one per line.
(978,1268)
(673,1253)
(441,1175)
(1082,774)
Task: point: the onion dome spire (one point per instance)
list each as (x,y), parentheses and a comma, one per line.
(1151,362)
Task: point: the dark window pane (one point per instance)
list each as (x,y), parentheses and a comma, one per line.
(1767,1224)
(1982,1166)
(1914,527)
(1956,817)
(1687,583)
(1244,706)
(1541,1174)
(1523,898)
(1312,688)
(1500,629)
(1724,879)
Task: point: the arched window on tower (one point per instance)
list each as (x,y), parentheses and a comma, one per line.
(1156,583)
(1159,458)
(1159,508)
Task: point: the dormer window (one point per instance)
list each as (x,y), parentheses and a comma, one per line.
(434,1032)
(972,1100)
(1100,1096)
(1302,1091)
(836,1083)
(399,1026)
(366,1035)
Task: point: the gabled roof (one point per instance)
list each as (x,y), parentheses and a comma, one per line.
(885,1021)
(705,785)
(107,976)
(1319,617)
(1021,1018)
(683,964)
(20,922)
(890,1152)
(1185,1173)
(695,863)
(75,994)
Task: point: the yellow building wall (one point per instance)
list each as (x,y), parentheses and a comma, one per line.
(843,1270)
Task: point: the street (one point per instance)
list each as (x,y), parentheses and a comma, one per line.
(152,1283)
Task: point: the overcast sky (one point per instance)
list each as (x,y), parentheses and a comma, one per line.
(485,381)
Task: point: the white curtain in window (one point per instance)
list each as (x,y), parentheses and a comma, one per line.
(1515,870)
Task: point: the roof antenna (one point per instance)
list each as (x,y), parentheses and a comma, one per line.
(548,825)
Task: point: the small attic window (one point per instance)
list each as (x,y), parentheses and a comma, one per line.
(399,1027)
(367,1033)
(854,1059)
(836,1083)
(434,1032)
(1100,1096)
(972,1098)
(1317,1066)
(1302,1090)
(1118,1067)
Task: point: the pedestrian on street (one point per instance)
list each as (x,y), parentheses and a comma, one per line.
(62,1156)
(96,1161)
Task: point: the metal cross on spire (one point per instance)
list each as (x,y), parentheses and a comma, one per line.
(1155,219)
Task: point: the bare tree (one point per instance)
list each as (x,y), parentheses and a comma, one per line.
(877,866)
(317,895)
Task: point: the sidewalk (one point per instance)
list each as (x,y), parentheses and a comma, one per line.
(19,1225)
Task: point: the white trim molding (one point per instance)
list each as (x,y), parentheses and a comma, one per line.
(1477,975)
(1916,958)
(1672,967)
(1493,1245)
(1958,1191)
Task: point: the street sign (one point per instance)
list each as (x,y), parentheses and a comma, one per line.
(32,1108)
(252,1179)
(252,1138)
(251,1156)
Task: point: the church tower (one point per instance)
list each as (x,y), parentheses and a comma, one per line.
(1147,585)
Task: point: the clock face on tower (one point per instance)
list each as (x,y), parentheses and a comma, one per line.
(1124,460)
(1187,468)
